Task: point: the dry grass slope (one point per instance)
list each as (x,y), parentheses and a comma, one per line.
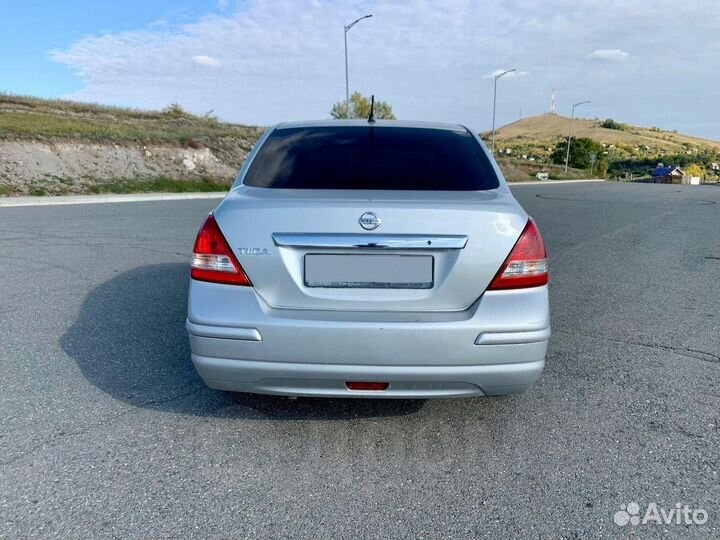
(38,119)
(545,130)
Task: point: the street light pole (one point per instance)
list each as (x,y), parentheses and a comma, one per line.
(347,80)
(494,100)
(572,118)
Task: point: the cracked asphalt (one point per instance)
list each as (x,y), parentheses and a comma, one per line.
(107,432)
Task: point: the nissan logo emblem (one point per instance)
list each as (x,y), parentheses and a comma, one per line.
(369,221)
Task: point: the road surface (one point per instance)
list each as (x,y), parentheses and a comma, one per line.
(107,431)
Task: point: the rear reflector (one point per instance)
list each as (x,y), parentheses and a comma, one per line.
(526,266)
(213,260)
(374,386)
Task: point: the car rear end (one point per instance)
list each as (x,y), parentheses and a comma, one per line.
(369,260)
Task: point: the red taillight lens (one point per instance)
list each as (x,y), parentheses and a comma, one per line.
(526,266)
(213,260)
(367,386)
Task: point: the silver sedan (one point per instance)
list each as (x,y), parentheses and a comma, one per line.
(369,259)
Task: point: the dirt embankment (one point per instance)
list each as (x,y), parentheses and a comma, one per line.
(73,167)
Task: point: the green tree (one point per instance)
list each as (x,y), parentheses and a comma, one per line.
(360,108)
(600,169)
(695,170)
(581,150)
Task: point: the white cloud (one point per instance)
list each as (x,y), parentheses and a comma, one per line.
(516,73)
(608,55)
(204,60)
(275,61)
(223,4)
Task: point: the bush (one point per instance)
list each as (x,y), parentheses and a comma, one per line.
(175,110)
(609,123)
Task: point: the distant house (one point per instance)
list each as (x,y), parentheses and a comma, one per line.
(669,174)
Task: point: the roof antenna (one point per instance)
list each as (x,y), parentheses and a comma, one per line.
(371,118)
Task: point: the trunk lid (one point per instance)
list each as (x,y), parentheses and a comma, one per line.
(432,251)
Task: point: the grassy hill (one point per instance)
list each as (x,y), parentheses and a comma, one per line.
(57,146)
(39,119)
(626,146)
(29,117)
(547,128)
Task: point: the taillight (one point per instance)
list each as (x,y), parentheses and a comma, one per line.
(526,266)
(213,260)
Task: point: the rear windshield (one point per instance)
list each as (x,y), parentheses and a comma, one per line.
(371,158)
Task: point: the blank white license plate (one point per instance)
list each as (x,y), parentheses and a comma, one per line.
(369,271)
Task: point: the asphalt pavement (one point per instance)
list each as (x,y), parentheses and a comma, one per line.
(107,432)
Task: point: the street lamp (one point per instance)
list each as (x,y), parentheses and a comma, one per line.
(494,100)
(347,82)
(572,117)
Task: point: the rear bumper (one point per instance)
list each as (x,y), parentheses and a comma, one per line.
(238,343)
(328,380)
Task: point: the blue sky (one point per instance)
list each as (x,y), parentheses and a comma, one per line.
(48,25)
(265,61)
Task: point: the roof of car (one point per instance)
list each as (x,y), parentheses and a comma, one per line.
(378,123)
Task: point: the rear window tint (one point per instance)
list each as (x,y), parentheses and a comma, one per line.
(370,157)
